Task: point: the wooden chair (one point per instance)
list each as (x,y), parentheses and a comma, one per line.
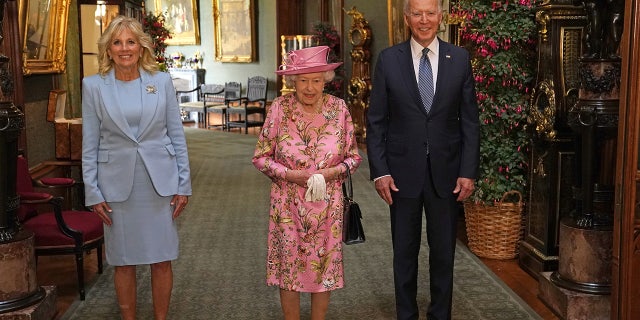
(185,94)
(57,232)
(208,95)
(212,95)
(254,103)
(232,92)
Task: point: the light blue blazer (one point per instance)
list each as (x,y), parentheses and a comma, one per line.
(110,148)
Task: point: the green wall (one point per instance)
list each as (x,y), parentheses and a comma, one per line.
(268,43)
(375,12)
(40,133)
(218,72)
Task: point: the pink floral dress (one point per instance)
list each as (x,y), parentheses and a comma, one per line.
(304,251)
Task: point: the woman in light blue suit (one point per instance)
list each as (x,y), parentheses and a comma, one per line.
(134,161)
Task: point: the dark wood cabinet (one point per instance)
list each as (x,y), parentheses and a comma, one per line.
(552,156)
(625,292)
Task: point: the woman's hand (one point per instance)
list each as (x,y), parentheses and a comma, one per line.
(103,210)
(332,173)
(178,203)
(298,177)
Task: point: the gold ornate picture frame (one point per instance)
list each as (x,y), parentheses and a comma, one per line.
(398,30)
(182,19)
(234,25)
(43,24)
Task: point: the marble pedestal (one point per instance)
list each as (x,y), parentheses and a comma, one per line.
(45,309)
(581,287)
(573,305)
(20,296)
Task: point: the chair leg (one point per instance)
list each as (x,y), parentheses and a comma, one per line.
(99,252)
(80,271)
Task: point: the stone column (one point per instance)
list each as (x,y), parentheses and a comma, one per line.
(581,287)
(20,295)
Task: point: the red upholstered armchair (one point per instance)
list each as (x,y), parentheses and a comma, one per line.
(57,232)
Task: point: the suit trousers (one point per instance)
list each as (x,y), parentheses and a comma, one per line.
(406,229)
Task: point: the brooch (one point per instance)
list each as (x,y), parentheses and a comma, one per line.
(151,89)
(330,115)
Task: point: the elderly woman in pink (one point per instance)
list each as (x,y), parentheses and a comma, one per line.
(306,145)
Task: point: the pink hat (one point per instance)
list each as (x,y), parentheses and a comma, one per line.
(307,60)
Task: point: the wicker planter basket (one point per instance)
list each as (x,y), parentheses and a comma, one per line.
(494,231)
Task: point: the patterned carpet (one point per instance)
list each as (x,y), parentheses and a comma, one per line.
(220,272)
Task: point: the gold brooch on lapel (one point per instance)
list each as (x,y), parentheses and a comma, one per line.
(448,56)
(151,89)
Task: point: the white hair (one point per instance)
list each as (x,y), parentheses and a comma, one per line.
(290,79)
(406,8)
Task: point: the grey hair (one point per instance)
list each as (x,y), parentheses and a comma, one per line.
(290,79)
(406,8)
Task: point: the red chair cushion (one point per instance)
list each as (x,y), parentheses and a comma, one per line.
(47,233)
(34,196)
(23,178)
(26,211)
(57,182)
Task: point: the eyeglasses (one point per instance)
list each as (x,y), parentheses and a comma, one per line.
(417,15)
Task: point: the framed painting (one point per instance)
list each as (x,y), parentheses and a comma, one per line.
(181,17)
(234,25)
(43,24)
(398,30)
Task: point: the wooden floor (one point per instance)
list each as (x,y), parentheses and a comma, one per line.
(61,272)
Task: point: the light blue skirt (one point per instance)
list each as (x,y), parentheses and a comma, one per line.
(143,231)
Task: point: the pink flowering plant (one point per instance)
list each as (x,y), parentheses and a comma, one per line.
(154,25)
(500,35)
(327,35)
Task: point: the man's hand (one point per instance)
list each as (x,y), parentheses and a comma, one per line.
(384,186)
(464,188)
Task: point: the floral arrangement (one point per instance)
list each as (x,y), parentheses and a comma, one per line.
(327,35)
(500,35)
(197,58)
(177,58)
(154,25)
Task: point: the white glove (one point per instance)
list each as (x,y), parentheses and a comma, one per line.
(316,188)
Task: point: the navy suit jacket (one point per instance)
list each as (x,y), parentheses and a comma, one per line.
(110,148)
(399,129)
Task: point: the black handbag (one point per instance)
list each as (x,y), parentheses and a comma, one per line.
(352,231)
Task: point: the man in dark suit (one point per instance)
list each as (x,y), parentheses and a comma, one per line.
(423,148)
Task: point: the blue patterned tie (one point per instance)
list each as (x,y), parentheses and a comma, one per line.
(425,80)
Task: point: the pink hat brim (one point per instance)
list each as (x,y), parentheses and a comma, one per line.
(314,69)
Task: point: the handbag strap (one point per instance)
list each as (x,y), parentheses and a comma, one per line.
(347,185)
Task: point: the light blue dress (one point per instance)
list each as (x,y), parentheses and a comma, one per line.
(143,230)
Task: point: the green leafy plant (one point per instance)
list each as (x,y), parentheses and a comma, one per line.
(327,35)
(154,25)
(500,35)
